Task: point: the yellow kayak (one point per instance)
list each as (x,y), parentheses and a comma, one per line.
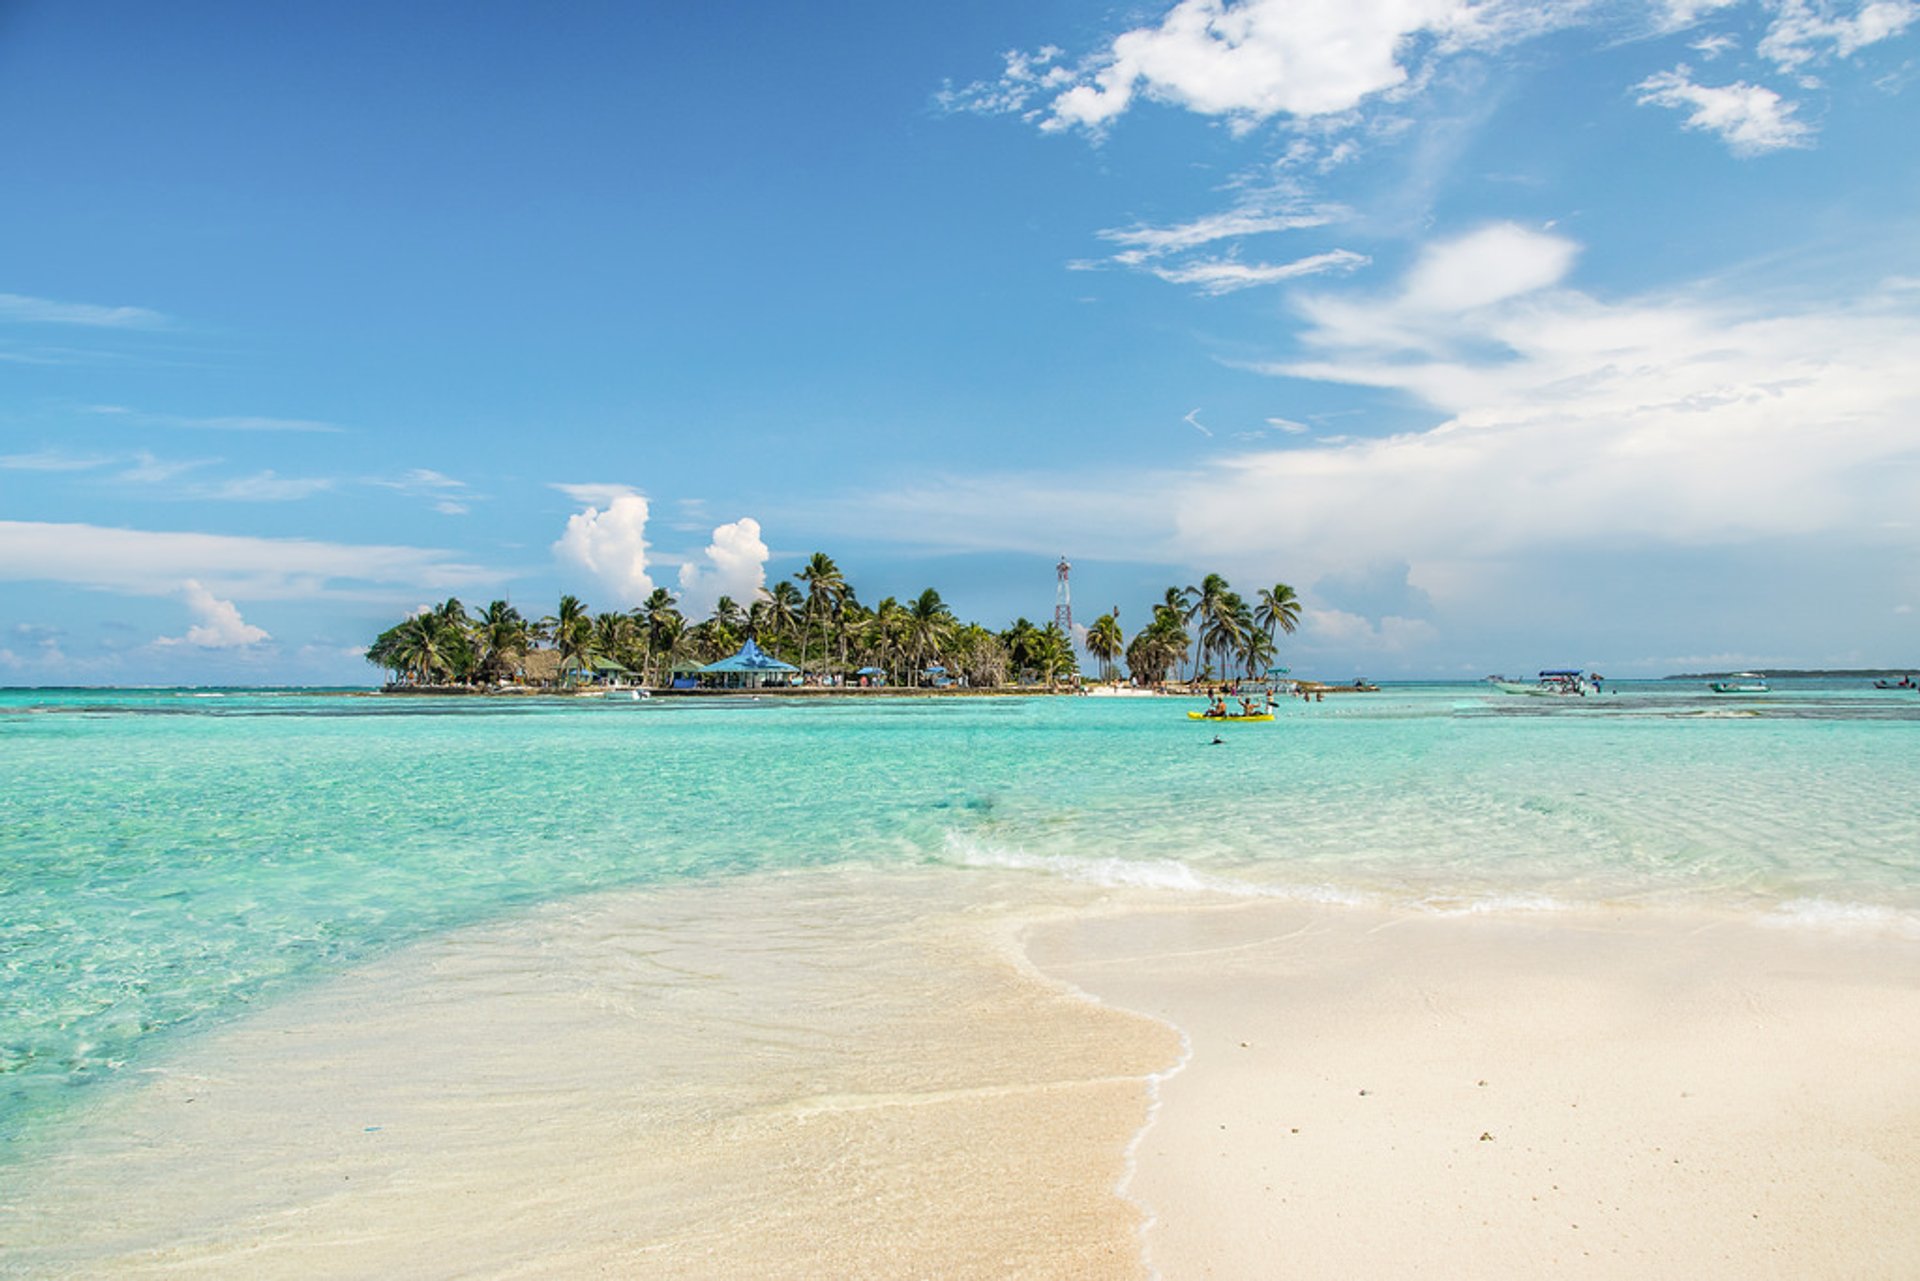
(1202,716)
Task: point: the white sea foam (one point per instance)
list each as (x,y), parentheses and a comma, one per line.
(1495,904)
(1124,873)
(1826,914)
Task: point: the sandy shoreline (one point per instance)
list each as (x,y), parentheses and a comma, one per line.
(1634,1094)
(862,1074)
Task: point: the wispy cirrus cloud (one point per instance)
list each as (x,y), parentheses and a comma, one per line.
(1150,241)
(228,422)
(23,310)
(142,562)
(1226,275)
(448,496)
(53,460)
(1802,33)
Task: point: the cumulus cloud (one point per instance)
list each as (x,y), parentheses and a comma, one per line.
(609,541)
(735,565)
(218,623)
(1750,119)
(1256,59)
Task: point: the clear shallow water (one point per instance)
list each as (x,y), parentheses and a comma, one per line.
(170,858)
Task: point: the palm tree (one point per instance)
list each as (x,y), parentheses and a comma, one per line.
(1053,658)
(883,637)
(930,625)
(500,640)
(1225,632)
(576,641)
(825,585)
(1020,640)
(616,636)
(418,647)
(1105,642)
(1279,610)
(1205,606)
(784,604)
(1159,646)
(663,625)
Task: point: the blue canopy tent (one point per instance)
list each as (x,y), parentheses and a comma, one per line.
(751,668)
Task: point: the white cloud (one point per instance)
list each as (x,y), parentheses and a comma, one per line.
(232,422)
(594,494)
(1674,15)
(1751,119)
(1225,275)
(1711,47)
(1232,223)
(736,566)
(265,487)
(1577,423)
(609,542)
(1256,59)
(449,496)
(20,309)
(52,460)
(1324,629)
(1802,33)
(1288,426)
(219,624)
(1635,431)
(1487,266)
(150,563)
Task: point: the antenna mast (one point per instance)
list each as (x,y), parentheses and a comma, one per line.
(1063,599)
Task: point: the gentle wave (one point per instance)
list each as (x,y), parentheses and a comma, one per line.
(1860,918)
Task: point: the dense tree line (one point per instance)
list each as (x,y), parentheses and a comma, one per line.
(816,622)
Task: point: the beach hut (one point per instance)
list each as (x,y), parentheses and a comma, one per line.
(751,668)
(601,671)
(540,667)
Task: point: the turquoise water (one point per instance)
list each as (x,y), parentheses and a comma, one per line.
(170,858)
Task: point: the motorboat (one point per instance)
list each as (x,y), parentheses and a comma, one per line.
(1740,683)
(1556,682)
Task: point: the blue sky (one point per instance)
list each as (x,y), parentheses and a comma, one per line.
(1510,335)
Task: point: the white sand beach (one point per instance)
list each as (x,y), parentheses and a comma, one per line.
(853,1075)
(1634,1094)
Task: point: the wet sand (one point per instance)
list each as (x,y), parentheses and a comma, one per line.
(788,1076)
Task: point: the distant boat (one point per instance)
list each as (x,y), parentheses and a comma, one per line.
(1553,683)
(1740,683)
(1905,682)
(1202,716)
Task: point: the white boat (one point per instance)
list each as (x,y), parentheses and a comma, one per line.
(1553,683)
(1740,683)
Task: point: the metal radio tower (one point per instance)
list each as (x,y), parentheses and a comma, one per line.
(1063,599)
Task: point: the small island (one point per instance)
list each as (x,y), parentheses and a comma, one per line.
(813,633)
